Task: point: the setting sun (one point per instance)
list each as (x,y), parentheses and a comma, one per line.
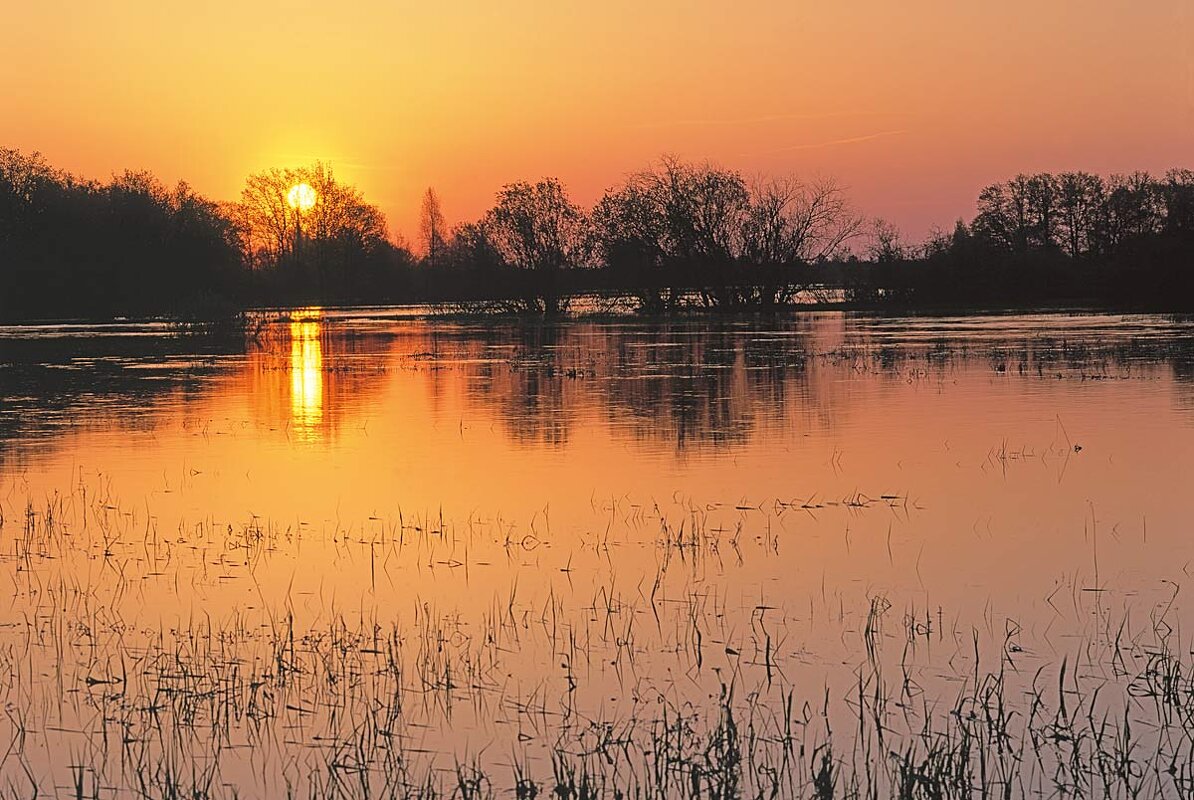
(633,399)
(301,196)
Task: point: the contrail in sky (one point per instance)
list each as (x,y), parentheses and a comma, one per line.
(754,120)
(831,143)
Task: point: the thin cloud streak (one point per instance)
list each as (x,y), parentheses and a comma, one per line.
(831,143)
(758,120)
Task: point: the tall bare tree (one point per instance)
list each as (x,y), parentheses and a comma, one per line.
(1080,196)
(536,227)
(792,222)
(1132,207)
(886,243)
(432,228)
(1177,192)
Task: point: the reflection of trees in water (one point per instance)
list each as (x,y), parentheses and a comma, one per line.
(694,386)
(53,384)
(536,409)
(1183,374)
(514,373)
(713,383)
(691,384)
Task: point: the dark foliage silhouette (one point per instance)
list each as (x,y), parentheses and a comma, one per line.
(70,247)
(1073,238)
(432,228)
(336,250)
(674,236)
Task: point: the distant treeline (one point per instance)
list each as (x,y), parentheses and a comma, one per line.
(131,246)
(675,236)
(1123,241)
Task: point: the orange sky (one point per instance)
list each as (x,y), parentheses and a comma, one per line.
(914,105)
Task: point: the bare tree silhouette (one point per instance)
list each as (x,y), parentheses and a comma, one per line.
(536,227)
(432,228)
(675,235)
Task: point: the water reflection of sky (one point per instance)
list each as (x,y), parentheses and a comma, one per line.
(825,459)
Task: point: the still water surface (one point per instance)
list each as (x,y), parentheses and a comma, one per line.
(578,523)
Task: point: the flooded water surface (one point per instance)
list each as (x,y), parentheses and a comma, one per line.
(361,555)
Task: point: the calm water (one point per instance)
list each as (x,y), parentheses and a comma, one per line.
(219,561)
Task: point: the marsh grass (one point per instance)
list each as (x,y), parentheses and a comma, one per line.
(413,654)
(661,691)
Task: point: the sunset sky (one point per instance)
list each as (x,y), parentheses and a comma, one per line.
(913,105)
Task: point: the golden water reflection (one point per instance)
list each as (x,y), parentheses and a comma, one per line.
(306,373)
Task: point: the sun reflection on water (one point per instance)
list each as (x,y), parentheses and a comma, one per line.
(306,371)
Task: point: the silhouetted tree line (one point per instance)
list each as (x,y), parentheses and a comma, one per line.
(676,235)
(336,251)
(70,247)
(1126,240)
(131,246)
(698,236)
